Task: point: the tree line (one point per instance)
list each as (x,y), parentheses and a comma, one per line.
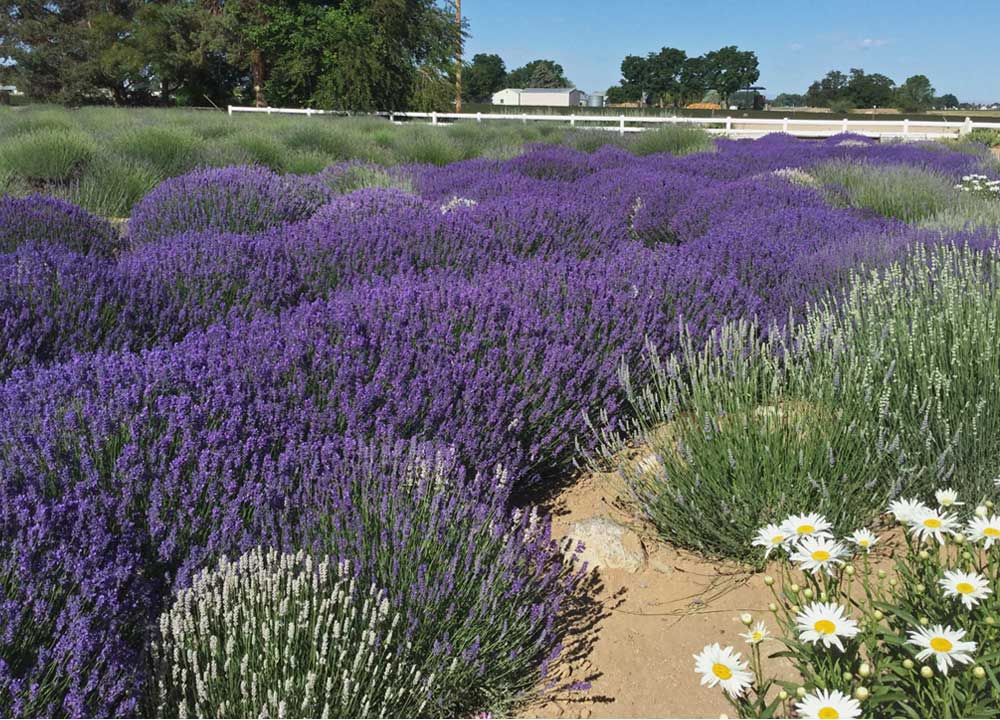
(859,89)
(487,73)
(357,55)
(671,77)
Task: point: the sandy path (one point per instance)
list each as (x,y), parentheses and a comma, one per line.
(640,657)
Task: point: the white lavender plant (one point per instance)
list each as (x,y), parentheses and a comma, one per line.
(281,635)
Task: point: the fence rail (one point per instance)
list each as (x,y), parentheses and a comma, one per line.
(732,126)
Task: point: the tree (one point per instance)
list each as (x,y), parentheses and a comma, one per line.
(618,94)
(482,77)
(828,90)
(915,94)
(692,83)
(867,91)
(538,70)
(729,69)
(790,100)
(946,101)
(71,52)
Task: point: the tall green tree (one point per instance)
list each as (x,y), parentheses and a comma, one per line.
(915,94)
(483,76)
(729,69)
(865,91)
(547,71)
(72,52)
(829,89)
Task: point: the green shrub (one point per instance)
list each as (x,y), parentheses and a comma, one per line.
(986,136)
(358,177)
(272,635)
(170,151)
(678,140)
(892,387)
(897,191)
(424,145)
(111,186)
(259,149)
(46,156)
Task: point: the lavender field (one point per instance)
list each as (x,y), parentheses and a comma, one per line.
(274,445)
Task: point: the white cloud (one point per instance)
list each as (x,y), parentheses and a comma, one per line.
(869,43)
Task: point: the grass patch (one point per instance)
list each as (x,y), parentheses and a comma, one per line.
(47,155)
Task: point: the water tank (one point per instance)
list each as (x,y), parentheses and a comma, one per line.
(595,100)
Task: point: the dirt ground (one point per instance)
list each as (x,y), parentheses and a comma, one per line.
(639,656)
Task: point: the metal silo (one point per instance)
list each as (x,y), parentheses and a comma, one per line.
(595,100)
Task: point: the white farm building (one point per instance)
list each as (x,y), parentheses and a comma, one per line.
(540,97)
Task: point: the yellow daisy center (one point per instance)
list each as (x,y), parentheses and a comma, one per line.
(758,635)
(805,529)
(721,671)
(941,644)
(964,588)
(863,543)
(824,626)
(820,555)
(777,539)
(932,523)
(991,532)
(828,712)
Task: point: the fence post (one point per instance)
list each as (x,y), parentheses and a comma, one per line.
(621,124)
(392,117)
(844,125)
(268,110)
(524,118)
(729,124)
(309,112)
(479,117)
(906,126)
(229,109)
(784,125)
(967,128)
(434,117)
(572,120)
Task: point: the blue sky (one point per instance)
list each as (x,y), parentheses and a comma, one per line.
(955,44)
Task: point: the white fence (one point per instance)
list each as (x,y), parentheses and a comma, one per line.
(905,129)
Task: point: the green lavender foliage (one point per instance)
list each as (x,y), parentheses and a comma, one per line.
(279,635)
(897,191)
(893,386)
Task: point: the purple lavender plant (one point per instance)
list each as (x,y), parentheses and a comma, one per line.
(44,220)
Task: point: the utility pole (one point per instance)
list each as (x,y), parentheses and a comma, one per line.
(458,56)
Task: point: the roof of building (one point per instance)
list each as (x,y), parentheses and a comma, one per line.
(540,90)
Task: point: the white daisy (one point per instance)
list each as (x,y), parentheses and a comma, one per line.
(771,537)
(944,644)
(819,553)
(864,539)
(947,498)
(934,524)
(985,528)
(825,622)
(907,510)
(828,704)
(799,526)
(758,633)
(970,588)
(719,665)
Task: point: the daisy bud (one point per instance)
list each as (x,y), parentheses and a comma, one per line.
(795,588)
(772,607)
(861,693)
(783,695)
(881,574)
(966,555)
(982,511)
(908,664)
(921,589)
(800,692)
(808,593)
(893,582)
(847,676)
(923,555)
(978,672)
(865,670)
(849,569)
(795,608)
(768,580)
(746,619)
(989,504)
(823,597)
(924,620)
(879,615)
(926,672)
(959,538)
(990,620)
